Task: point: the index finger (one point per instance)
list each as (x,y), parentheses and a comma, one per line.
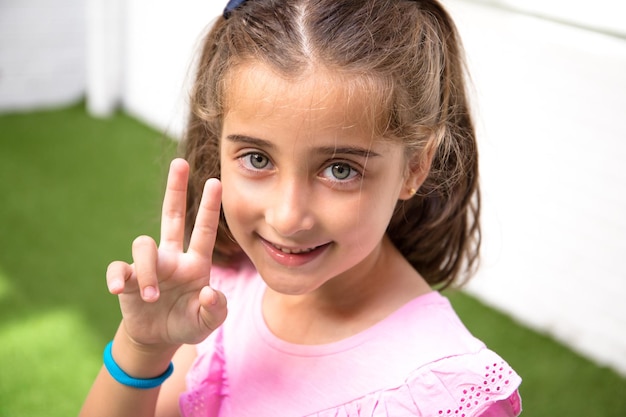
(174,203)
(204,232)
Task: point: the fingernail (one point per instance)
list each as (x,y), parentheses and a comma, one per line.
(115,287)
(149,293)
(211,293)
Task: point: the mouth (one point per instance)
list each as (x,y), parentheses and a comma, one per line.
(293,256)
(294,251)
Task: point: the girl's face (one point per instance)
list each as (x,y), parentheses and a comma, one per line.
(307,191)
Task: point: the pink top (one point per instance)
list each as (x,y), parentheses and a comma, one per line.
(419,361)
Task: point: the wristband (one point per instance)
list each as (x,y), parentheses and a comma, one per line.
(123,378)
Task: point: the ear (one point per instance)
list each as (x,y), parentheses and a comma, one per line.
(418,168)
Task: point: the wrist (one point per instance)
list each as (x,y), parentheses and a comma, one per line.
(139,360)
(119,375)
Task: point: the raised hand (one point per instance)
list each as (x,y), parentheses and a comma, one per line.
(165,295)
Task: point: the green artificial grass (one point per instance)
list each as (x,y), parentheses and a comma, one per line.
(75,191)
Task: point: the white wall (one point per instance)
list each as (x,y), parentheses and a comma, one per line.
(602,15)
(105,55)
(42,53)
(552,101)
(162,37)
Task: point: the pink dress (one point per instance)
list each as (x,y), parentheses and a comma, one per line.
(419,361)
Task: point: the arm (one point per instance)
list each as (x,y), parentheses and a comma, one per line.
(166,302)
(112,398)
(168,404)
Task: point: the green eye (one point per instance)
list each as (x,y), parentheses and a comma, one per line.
(258,161)
(341,171)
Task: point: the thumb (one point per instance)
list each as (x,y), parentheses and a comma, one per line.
(213,308)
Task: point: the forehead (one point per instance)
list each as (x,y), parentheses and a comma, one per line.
(318,98)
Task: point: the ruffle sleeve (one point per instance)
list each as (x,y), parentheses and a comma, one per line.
(470,385)
(206,380)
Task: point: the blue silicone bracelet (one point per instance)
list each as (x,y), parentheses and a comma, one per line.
(123,378)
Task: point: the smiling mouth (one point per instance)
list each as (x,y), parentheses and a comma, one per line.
(293,257)
(290,251)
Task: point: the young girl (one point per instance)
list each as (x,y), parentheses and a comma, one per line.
(348,194)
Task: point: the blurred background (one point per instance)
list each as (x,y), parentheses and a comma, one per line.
(93,92)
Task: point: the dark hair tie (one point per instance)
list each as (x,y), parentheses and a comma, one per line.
(232,5)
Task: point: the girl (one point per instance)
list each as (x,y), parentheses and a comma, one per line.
(321,119)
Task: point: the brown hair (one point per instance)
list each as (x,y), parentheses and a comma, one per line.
(410,56)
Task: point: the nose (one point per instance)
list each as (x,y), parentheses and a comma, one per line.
(289,210)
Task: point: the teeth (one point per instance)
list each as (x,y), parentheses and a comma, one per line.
(293,251)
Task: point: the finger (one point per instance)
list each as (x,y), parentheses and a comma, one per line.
(204,231)
(174,203)
(213,309)
(117,274)
(145,257)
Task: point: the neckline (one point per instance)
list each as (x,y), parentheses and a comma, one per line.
(271,340)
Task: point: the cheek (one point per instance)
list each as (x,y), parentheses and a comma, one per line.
(234,203)
(364,219)
(375,212)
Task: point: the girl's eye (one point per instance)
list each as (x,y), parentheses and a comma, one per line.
(256,160)
(340,171)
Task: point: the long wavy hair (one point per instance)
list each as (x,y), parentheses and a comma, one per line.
(409,55)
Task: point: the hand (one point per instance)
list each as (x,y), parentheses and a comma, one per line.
(165,295)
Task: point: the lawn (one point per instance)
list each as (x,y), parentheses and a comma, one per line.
(77,190)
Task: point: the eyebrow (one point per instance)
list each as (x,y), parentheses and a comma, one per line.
(328,150)
(260,143)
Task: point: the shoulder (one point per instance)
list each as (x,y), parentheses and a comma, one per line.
(441,368)
(428,325)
